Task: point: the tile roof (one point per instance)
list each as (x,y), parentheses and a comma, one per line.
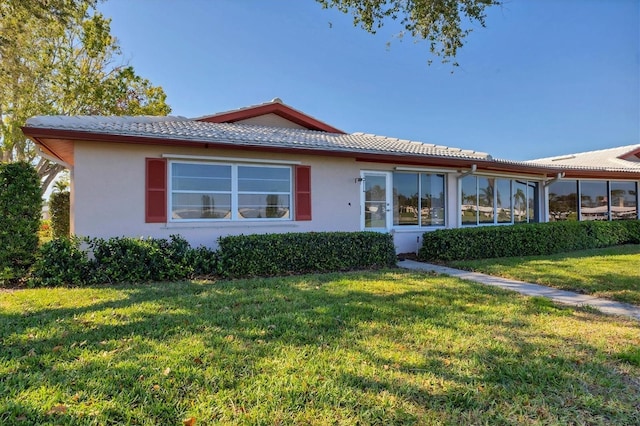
(612,159)
(180,128)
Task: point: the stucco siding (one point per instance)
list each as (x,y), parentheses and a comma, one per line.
(108,196)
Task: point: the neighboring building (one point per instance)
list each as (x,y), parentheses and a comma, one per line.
(585,192)
(271,169)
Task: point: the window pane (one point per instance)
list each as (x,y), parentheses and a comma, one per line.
(563,200)
(201,206)
(469,200)
(405,199)
(200,177)
(486,188)
(375,205)
(594,204)
(264,179)
(432,202)
(263,206)
(624,200)
(503,200)
(520,201)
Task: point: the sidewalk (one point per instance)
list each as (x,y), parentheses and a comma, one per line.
(560,296)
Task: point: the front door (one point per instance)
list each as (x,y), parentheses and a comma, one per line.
(376,201)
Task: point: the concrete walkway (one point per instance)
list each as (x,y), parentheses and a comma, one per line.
(559,296)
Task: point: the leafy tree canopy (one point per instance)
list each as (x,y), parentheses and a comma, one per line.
(439,22)
(59,57)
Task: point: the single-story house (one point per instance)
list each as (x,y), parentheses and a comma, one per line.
(270,168)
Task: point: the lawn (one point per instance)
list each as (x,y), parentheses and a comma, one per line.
(389,347)
(611,273)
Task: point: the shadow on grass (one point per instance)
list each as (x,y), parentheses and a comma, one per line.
(419,347)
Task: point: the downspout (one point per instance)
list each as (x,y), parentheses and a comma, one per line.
(545,194)
(550,181)
(474,168)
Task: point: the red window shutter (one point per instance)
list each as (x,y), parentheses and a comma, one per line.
(155,190)
(303,192)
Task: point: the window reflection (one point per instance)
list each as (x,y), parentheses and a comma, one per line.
(598,200)
(418,199)
(487,200)
(469,206)
(563,200)
(486,189)
(624,201)
(594,202)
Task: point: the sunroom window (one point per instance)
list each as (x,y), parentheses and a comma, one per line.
(418,199)
(593,200)
(492,200)
(205,191)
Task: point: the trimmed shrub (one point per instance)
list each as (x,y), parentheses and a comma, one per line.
(127,259)
(298,253)
(61,262)
(76,262)
(82,261)
(525,239)
(59,206)
(20,211)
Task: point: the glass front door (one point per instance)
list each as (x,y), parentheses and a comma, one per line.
(376,201)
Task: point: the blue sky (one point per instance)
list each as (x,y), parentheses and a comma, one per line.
(545,77)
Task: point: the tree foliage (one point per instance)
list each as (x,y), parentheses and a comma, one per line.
(20,210)
(439,22)
(59,57)
(60,209)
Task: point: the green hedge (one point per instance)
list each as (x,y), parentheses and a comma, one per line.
(298,253)
(525,240)
(82,261)
(20,212)
(60,210)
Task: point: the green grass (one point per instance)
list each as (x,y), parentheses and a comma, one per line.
(611,273)
(384,348)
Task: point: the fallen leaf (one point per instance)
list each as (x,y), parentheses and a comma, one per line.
(191,421)
(57,348)
(58,409)
(197,360)
(156,387)
(166,371)
(75,397)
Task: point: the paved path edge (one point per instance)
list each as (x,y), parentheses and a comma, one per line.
(560,296)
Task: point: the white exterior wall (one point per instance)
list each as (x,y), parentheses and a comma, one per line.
(108,196)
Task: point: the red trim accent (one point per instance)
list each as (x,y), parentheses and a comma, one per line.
(277,108)
(155,210)
(632,153)
(303,192)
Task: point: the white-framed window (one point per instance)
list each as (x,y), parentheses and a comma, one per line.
(418,199)
(592,199)
(218,191)
(487,200)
